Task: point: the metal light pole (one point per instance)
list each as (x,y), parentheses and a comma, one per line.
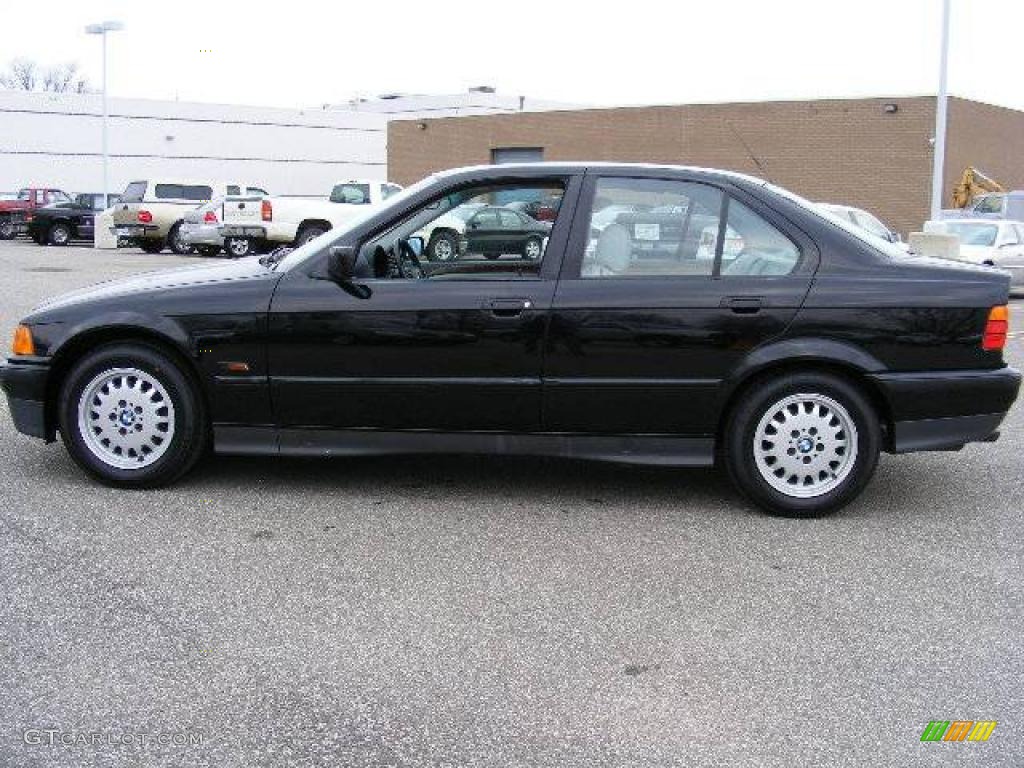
(939,159)
(102,29)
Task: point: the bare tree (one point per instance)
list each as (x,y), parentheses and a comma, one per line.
(26,75)
(22,75)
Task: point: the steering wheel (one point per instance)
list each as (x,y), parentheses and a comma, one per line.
(409,264)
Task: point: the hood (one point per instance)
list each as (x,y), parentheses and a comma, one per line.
(152,282)
(977,253)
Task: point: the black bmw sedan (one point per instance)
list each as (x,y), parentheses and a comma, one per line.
(742,324)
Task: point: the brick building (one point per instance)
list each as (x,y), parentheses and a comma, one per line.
(871,153)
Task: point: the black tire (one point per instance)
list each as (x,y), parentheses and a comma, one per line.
(533,244)
(59,234)
(177,244)
(151,245)
(754,405)
(189,435)
(443,246)
(239,247)
(6,228)
(209,250)
(307,233)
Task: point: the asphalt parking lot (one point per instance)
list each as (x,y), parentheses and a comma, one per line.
(498,612)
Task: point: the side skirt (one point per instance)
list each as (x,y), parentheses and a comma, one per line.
(658,450)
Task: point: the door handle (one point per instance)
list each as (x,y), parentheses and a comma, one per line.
(743,305)
(507,307)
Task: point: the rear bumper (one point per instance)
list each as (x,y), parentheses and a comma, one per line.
(947,409)
(200,234)
(25,386)
(137,230)
(244,230)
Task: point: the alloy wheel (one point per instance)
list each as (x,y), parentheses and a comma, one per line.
(126,418)
(805,445)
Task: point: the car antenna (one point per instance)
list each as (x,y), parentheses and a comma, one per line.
(750,153)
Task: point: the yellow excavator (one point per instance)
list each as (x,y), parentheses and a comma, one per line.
(972,183)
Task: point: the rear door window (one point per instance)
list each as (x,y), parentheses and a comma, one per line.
(660,228)
(168,192)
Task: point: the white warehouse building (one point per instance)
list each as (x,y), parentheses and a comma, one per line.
(54,140)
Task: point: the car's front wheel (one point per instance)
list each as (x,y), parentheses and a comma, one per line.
(533,248)
(6,228)
(443,247)
(802,444)
(131,417)
(59,234)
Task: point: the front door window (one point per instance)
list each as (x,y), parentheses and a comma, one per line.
(482,231)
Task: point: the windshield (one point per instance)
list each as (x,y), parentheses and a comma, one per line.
(973,234)
(819,210)
(317,245)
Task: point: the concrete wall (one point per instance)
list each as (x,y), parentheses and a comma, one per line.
(841,151)
(56,141)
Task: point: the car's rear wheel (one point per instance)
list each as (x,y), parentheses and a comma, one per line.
(131,417)
(6,228)
(443,247)
(802,444)
(238,246)
(59,234)
(177,242)
(151,245)
(307,233)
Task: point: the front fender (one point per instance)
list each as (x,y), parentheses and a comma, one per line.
(139,323)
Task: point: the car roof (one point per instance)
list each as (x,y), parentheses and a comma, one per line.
(996,222)
(581,166)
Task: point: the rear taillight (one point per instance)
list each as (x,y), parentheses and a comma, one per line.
(210,217)
(145,217)
(998,323)
(266,211)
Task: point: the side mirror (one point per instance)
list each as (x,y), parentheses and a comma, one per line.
(896,237)
(416,243)
(341,263)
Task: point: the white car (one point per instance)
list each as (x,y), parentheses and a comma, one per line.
(863,220)
(251,223)
(991,242)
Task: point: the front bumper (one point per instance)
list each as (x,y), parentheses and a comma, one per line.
(25,386)
(945,410)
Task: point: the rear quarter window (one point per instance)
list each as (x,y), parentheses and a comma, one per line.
(134,192)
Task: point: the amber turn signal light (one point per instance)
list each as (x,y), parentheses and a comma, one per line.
(23,344)
(998,324)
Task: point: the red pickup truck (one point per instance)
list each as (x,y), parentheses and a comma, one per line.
(16,211)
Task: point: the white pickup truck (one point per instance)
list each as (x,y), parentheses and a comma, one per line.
(254,223)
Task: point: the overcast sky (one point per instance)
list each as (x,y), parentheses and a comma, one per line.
(302,53)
